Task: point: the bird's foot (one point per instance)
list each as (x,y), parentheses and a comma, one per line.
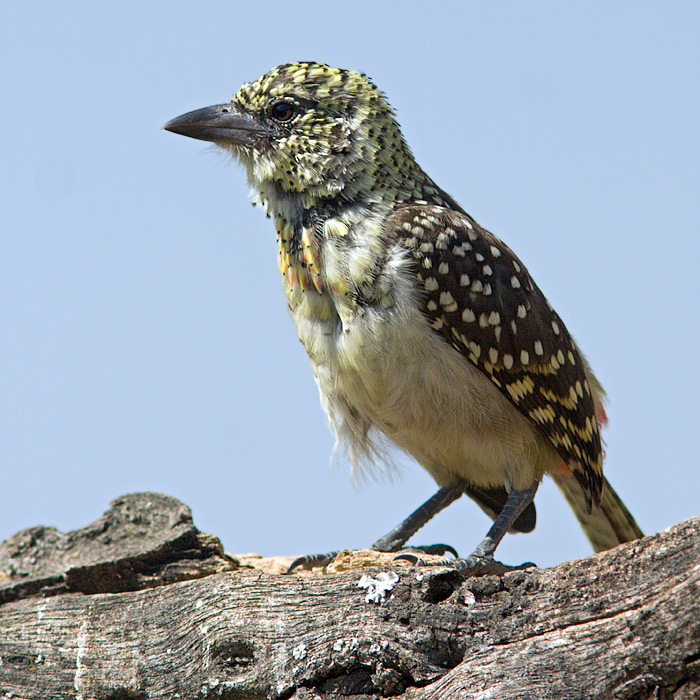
(473,565)
(439,550)
(311,561)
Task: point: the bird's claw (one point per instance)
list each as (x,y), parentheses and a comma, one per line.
(310,561)
(473,565)
(416,560)
(434,549)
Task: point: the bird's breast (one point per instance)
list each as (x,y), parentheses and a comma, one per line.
(378,364)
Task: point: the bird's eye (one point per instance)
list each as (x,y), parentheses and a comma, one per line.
(282,111)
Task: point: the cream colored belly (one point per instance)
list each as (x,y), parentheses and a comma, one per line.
(389,371)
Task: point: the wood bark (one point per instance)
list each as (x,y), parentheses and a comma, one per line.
(140,605)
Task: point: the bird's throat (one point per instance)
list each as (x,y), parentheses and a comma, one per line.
(298,256)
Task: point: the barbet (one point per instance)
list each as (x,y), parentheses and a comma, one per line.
(421,326)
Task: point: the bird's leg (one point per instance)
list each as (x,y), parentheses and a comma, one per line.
(394,540)
(481,558)
(515,504)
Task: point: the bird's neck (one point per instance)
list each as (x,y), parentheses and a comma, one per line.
(356,210)
(374,192)
(302,223)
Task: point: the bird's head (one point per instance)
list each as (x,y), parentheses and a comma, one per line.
(310,133)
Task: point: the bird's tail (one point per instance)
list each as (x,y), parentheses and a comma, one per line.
(606,525)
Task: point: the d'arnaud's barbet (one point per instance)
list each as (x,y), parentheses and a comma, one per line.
(421,326)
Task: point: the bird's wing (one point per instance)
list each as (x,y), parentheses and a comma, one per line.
(481,299)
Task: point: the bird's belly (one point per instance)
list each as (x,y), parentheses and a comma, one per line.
(389,370)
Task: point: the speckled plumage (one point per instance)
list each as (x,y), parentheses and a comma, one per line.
(420,325)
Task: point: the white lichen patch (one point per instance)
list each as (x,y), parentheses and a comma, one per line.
(299,652)
(377,588)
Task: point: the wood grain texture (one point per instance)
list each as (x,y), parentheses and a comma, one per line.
(140,605)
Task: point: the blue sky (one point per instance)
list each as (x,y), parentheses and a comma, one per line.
(145,342)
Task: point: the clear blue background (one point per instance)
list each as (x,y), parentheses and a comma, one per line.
(145,342)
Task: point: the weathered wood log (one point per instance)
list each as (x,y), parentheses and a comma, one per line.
(140,605)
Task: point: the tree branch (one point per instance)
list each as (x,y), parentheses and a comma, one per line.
(140,605)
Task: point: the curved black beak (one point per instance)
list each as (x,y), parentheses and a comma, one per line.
(218,123)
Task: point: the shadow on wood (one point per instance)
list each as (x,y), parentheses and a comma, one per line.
(141,605)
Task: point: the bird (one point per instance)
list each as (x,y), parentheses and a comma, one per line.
(423,329)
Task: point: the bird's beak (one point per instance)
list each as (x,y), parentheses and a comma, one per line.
(219,123)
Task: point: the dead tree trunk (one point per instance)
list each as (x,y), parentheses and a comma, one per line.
(140,605)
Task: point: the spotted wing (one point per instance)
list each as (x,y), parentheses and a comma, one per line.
(481,299)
